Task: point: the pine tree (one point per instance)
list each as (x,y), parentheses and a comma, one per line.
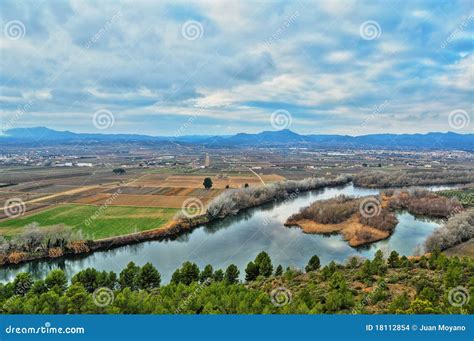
(279,270)
(128,276)
(148,277)
(232,274)
(206,273)
(393,259)
(218,275)
(313,264)
(56,279)
(88,278)
(189,273)
(251,272)
(264,264)
(22,283)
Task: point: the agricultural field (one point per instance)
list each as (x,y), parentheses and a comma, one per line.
(135,201)
(163,201)
(464,195)
(92,221)
(220,182)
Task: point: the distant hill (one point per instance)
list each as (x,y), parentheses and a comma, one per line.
(287,137)
(282,138)
(46,134)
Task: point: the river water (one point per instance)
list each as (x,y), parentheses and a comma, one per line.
(240,238)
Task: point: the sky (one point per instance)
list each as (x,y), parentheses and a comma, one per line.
(223,67)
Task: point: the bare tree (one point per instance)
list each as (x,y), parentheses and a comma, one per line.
(455,230)
(234,200)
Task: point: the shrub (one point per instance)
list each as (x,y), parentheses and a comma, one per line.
(455,230)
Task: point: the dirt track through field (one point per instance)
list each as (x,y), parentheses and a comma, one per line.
(70,192)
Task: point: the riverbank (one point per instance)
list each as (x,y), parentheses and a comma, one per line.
(225,205)
(238,237)
(83,247)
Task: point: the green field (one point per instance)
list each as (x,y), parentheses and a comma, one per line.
(465,196)
(109,221)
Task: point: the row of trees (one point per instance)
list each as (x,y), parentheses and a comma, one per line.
(35,239)
(424,202)
(361,286)
(234,200)
(330,211)
(405,178)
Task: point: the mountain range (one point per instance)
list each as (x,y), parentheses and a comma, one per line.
(281,138)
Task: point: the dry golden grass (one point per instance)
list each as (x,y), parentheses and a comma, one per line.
(349,229)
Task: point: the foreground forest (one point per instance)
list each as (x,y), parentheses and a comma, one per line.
(430,284)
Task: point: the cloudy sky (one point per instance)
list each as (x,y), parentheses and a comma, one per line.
(221,67)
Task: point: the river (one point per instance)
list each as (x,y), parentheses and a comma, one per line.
(240,238)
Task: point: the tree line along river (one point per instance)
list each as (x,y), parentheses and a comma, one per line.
(238,239)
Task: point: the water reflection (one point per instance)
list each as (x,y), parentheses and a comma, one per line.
(238,239)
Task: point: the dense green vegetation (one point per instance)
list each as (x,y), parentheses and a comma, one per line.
(435,284)
(92,221)
(464,195)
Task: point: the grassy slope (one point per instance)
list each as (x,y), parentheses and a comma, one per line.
(110,221)
(461,250)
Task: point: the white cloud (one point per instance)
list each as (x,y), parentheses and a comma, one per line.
(459,75)
(251,58)
(339,57)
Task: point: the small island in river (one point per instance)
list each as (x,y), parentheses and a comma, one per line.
(368,219)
